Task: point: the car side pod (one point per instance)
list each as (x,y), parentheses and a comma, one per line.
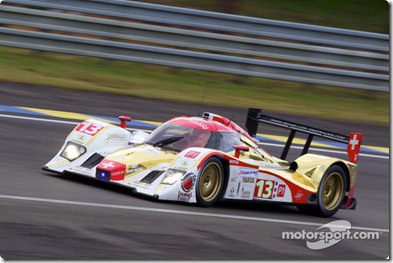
(123,120)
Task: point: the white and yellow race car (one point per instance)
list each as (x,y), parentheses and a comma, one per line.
(205,159)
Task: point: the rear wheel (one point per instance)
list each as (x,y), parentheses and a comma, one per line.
(210,182)
(331,192)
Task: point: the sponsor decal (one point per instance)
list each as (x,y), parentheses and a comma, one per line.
(232,191)
(89,128)
(241,183)
(188,182)
(192,154)
(264,189)
(298,195)
(234,161)
(183,166)
(248,180)
(245,194)
(184,196)
(117,173)
(248,172)
(79,140)
(134,168)
(281,190)
(115,137)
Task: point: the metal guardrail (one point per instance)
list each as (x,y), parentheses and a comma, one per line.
(192,39)
(338,57)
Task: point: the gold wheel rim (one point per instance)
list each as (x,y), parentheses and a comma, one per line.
(210,181)
(332,191)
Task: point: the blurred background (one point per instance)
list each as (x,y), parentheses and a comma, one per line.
(192,86)
(361,15)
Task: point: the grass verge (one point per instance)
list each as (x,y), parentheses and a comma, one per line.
(158,82)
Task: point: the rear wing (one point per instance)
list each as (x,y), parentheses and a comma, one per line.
(353,141)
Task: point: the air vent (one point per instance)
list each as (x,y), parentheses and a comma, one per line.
(151,177)
(309,173)
(93,160)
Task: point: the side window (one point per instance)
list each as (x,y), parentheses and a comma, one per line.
(214,141)
(228,140)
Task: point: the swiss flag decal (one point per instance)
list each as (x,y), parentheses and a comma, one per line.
(353,149)
(117,170)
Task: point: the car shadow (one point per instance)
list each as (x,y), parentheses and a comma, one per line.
(239,205)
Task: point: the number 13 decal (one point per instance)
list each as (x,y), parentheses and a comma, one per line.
(89,128)
(264,189)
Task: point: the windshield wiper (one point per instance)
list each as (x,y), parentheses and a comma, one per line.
(167,141)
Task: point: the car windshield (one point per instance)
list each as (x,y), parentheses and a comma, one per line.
(178,137)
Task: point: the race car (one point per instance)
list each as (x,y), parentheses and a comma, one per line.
(206,159)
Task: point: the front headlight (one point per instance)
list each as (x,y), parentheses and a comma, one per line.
(72,151)
(172,176)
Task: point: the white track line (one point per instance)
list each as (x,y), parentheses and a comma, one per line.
(262,143)
(171,211)
(51,120)
(37,119)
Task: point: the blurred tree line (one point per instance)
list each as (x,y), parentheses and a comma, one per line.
(363,15)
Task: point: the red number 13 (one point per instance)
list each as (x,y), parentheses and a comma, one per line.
(264,189)
(89,128)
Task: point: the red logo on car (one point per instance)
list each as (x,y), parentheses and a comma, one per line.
(281,190)
(192,154)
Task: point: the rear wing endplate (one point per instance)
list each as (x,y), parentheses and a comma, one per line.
(353,141)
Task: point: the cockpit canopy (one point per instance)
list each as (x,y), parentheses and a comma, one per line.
(185,132)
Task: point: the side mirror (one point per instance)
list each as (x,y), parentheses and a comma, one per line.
(239,149)
(123,121)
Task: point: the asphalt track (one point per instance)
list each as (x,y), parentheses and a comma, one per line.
(45,216)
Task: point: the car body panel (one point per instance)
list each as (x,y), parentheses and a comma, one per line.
(149,166)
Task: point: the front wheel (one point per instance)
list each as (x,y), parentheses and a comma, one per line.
(210,182)
(331,192)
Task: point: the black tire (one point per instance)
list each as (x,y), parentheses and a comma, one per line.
(210,182)
(331,193)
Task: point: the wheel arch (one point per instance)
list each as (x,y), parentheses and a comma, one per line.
(315,166)
(225,165)
(346,171)
(219,188)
